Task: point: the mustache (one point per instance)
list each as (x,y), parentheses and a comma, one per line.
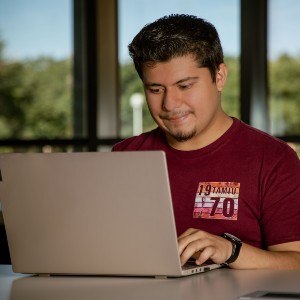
(173,115)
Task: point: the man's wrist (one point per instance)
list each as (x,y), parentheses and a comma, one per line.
(236,246)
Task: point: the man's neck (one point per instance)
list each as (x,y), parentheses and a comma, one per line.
(205,138)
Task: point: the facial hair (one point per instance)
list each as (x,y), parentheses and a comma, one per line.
(183,136)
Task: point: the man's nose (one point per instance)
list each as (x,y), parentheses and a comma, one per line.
(171,100)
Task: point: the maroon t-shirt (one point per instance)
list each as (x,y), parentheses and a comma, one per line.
(246,183)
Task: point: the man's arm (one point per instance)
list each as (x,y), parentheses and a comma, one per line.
(202,246)
(281,256)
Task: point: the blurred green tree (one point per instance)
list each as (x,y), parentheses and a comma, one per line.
(50,113)
(15,98)
(285,95)
(35,98)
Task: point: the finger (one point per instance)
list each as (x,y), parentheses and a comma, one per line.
(193,249)
(184,241)
(206,254)
(188,237)
(188,232)
(188,253)
(214,251)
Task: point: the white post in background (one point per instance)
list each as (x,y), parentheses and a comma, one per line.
(136,102)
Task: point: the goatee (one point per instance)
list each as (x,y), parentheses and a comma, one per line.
(183,136)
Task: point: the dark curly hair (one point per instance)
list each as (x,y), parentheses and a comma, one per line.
(177,35)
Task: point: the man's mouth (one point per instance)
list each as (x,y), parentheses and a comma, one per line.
(176,118)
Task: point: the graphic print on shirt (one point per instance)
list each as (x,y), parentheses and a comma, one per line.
(217,200)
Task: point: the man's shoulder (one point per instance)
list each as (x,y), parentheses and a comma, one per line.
(260,141)
(261,136)
(150,140)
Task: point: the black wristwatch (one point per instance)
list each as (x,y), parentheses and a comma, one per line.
(236,246)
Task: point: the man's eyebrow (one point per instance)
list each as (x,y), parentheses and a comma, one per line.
(177,82)
(152,84)
(187,79)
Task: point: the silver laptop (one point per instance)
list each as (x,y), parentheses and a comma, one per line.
(101,213)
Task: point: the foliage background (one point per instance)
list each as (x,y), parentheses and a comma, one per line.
(35,98)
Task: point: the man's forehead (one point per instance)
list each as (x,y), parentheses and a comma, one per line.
(173,71)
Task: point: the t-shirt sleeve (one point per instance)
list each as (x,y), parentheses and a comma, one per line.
(280,207)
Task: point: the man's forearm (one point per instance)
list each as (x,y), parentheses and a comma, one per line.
(255,258)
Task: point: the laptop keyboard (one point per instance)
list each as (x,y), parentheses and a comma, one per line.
(189,265)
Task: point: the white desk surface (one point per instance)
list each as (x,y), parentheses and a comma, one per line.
(221,284)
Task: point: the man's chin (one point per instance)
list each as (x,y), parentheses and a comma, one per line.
(182,136)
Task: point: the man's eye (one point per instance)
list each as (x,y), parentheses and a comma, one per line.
(155,91)
(186,86)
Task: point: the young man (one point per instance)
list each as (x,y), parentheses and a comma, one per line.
(235,189)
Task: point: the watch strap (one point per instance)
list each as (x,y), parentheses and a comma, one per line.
(236,246)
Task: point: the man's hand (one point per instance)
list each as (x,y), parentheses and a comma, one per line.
(202,246)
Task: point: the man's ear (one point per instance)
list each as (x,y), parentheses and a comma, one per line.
(221,77)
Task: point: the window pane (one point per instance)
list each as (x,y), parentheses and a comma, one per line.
(284,67)
(36,69)
(134,14)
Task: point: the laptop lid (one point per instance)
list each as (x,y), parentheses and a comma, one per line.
(101,213)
